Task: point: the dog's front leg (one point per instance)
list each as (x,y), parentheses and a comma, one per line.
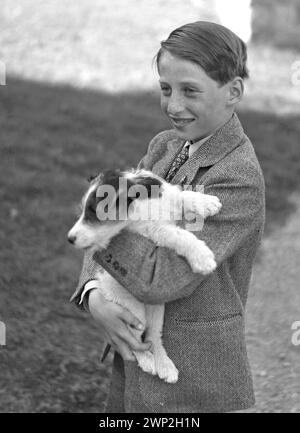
(201,204)
(165,367)
(199,256)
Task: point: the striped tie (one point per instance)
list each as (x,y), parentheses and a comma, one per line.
(180,159)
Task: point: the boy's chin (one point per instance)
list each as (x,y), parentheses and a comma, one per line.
(188,136)
(183,135)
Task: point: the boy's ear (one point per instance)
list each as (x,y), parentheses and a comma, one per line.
(236,90)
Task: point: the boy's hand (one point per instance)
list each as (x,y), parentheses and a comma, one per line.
(114,320)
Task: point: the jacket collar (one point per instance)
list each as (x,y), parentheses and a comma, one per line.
(221,143)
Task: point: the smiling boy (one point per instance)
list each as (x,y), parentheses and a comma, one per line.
(202,66)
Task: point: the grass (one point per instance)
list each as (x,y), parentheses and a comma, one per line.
(54,136)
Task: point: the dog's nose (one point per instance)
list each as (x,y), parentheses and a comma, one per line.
(71,239)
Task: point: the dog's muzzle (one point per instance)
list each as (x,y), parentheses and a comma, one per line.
(72,239)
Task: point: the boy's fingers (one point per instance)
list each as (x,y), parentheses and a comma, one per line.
(144,347)
(134,342)
(149,342)
(136,345)
(131,320)
(124,350)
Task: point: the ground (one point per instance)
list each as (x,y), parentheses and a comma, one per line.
(79,99)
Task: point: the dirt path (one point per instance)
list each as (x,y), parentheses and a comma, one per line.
(274,304)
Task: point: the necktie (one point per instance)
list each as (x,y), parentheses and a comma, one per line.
(180,159)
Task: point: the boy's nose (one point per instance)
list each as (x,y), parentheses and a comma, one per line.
(175,107)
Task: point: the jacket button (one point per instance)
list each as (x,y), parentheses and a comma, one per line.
(116,265)
(108,258)
(123,272)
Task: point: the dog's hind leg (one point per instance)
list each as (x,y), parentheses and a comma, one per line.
(164,366)
(114,292)
(145,359)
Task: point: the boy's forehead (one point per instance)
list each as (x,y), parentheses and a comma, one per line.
(182,70)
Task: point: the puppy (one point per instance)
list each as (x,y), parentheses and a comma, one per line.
(142,202)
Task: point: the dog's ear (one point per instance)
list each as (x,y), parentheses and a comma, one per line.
(117,192)
(91,178)
(122,199)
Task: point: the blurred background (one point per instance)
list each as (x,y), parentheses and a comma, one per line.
(80,94)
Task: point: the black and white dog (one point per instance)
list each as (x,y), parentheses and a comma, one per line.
(142,202)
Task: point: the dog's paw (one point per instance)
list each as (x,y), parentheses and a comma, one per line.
(202,259)
(211,205)
(146,361)
(166,370)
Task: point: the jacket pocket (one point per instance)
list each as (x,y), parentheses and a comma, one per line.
(210,321)
(214,373)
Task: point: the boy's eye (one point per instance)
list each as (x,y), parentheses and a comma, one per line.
(189,90)
(165,90)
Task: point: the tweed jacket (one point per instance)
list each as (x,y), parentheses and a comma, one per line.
(204,326)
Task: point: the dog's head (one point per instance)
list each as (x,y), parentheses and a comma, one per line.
(107,204)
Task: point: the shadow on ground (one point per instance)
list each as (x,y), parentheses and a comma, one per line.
(52,138)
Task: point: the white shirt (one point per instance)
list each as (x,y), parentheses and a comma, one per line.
(195,146)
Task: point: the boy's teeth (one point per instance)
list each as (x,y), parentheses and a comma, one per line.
(182,120)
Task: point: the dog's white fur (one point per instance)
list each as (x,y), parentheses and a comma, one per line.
(164,232)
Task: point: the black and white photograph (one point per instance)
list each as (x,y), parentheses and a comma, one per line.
(150,209)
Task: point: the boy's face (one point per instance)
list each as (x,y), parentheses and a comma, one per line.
(196,104)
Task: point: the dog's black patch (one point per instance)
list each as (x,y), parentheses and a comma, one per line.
(112,178)
(90,208)
(152,185)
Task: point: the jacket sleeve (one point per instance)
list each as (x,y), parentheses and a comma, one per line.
(89,270)
(157,275)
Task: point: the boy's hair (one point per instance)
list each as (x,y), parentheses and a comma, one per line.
(219,51)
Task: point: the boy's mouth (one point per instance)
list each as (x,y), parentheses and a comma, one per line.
(181,122)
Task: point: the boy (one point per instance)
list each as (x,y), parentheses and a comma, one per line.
(201,66)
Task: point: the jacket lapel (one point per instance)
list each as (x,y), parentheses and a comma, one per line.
(220,144)
(162,166)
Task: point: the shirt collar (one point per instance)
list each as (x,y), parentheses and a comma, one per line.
(195,146)
(216,147)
